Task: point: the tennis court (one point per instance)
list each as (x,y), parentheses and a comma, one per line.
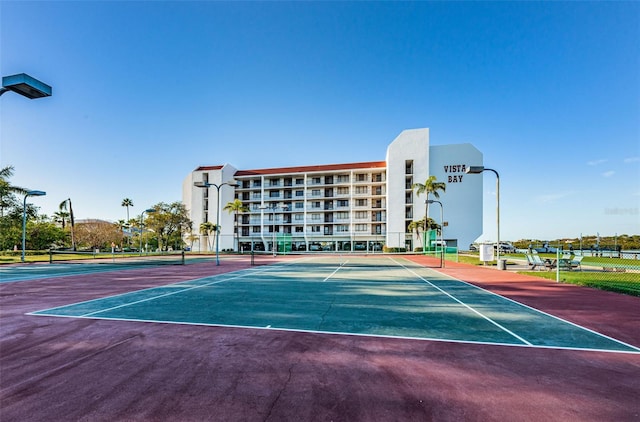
(383,296)
(312,338)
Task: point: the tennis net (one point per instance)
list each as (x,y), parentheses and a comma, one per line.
(76,257)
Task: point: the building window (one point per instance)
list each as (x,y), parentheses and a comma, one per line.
(257,183)
(343,178)
(342,228)
(315,204)
(343,203)
(315,217)
(315,192)
(408,167)
(274,194)
(408,182)
(315,181)
(255,229)
(343,190)
(361,202)
(274,182)
(361,227)
(299,217)
(299,193)
(299,205)
(299,229)
(362,189)
(315,229)
(299,181)
(361,215)
(408,198)
(342,215)
(361,177)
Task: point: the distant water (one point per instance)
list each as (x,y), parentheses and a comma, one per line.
(628,254)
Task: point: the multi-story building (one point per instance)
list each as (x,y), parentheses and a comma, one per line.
(340,207)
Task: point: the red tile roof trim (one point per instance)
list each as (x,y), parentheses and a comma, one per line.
(202,168)
(310,169)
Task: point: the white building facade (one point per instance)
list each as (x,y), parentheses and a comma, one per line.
(352,207)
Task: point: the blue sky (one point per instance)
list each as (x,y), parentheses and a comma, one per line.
(145,92)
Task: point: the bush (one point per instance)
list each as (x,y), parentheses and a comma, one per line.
(388,249)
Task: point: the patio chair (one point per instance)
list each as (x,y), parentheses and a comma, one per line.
(530,260)
(538,262)
(576,262)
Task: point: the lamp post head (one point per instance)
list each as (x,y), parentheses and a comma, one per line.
(200,184)
(474,169)
(149,210)
(36,193)
(26,86)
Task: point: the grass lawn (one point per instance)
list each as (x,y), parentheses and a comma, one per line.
(627,283)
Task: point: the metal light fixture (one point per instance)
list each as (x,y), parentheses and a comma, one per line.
(148,210)
(442,245)
(207,185)
(26,86)
(478,170)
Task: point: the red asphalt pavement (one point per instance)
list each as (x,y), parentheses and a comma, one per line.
(68,369)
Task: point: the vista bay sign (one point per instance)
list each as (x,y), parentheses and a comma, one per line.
(459,169)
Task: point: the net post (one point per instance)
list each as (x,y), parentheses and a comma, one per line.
(183,257)
(252,257)
(50,256)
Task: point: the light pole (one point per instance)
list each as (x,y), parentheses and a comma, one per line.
(478,170)
(148,210)
(442,245)
(24,217)
(273,209)
(273,226)
(207,185)
(26,86)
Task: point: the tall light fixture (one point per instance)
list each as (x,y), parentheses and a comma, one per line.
(24,217)
(442,245)
(26,86)
(148,210)
(478,170)
(273,226)
(207,185)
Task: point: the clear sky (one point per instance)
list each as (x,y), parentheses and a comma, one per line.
(145,92)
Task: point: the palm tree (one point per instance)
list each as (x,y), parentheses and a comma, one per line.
(206,229)
(63,208)
(61,217)
(7,189)
(126,202)
(415,226)
(236,207)
(430,186)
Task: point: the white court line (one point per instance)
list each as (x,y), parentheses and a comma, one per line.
(342,333)
(244,273)
(497,324)
(541,312)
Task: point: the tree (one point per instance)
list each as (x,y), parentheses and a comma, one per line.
(206,228)
(169,222)
(8,191)
(415,226)
(97,234)
(430,186)
(126,202)
(236,207)
(63,209)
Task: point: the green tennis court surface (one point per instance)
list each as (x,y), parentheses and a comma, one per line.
(88,266)
(348,295)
